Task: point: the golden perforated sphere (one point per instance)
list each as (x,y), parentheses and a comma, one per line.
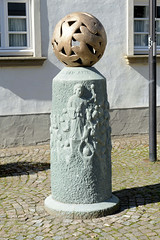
(79,39)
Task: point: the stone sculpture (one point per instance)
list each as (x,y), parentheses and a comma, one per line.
(78,126)
(80,131)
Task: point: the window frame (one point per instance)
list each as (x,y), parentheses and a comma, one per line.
(33,31)
(131,49)
(140,49)
(28,26)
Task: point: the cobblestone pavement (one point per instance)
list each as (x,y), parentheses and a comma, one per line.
(25,183)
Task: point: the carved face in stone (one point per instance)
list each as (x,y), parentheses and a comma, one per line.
(78,90)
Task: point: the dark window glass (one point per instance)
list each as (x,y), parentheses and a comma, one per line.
(158,40)
(158,12)
(141,11)
(16,9)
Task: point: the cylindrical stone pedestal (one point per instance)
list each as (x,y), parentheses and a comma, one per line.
(80,146)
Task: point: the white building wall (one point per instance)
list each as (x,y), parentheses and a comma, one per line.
(26,90)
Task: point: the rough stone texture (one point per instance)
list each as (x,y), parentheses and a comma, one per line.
(25,183)
(80,143)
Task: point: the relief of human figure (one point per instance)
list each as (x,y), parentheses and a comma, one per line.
(76,110)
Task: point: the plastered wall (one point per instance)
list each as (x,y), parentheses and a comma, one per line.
(27,90)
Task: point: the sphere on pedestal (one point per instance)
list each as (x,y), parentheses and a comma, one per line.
(79,39)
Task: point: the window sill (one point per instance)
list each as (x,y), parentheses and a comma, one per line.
(142,59)
(21,61)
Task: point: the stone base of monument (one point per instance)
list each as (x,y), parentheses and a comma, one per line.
(81,211)
(81,182)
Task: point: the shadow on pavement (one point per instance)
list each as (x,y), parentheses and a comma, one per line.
(134,197)
(129,198)
(22,168)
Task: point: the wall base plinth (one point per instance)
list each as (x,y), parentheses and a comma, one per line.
(81,211)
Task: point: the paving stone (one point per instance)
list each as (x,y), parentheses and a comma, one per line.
(25,183)
(39,238)
(20,238)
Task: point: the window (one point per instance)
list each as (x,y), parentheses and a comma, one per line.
(138,26)
(141,28)
(18,25)
(18,33)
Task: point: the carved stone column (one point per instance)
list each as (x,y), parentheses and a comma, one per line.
(80,145)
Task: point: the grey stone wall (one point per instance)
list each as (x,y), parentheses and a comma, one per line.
(33,129)
(18,130)
(129,121)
